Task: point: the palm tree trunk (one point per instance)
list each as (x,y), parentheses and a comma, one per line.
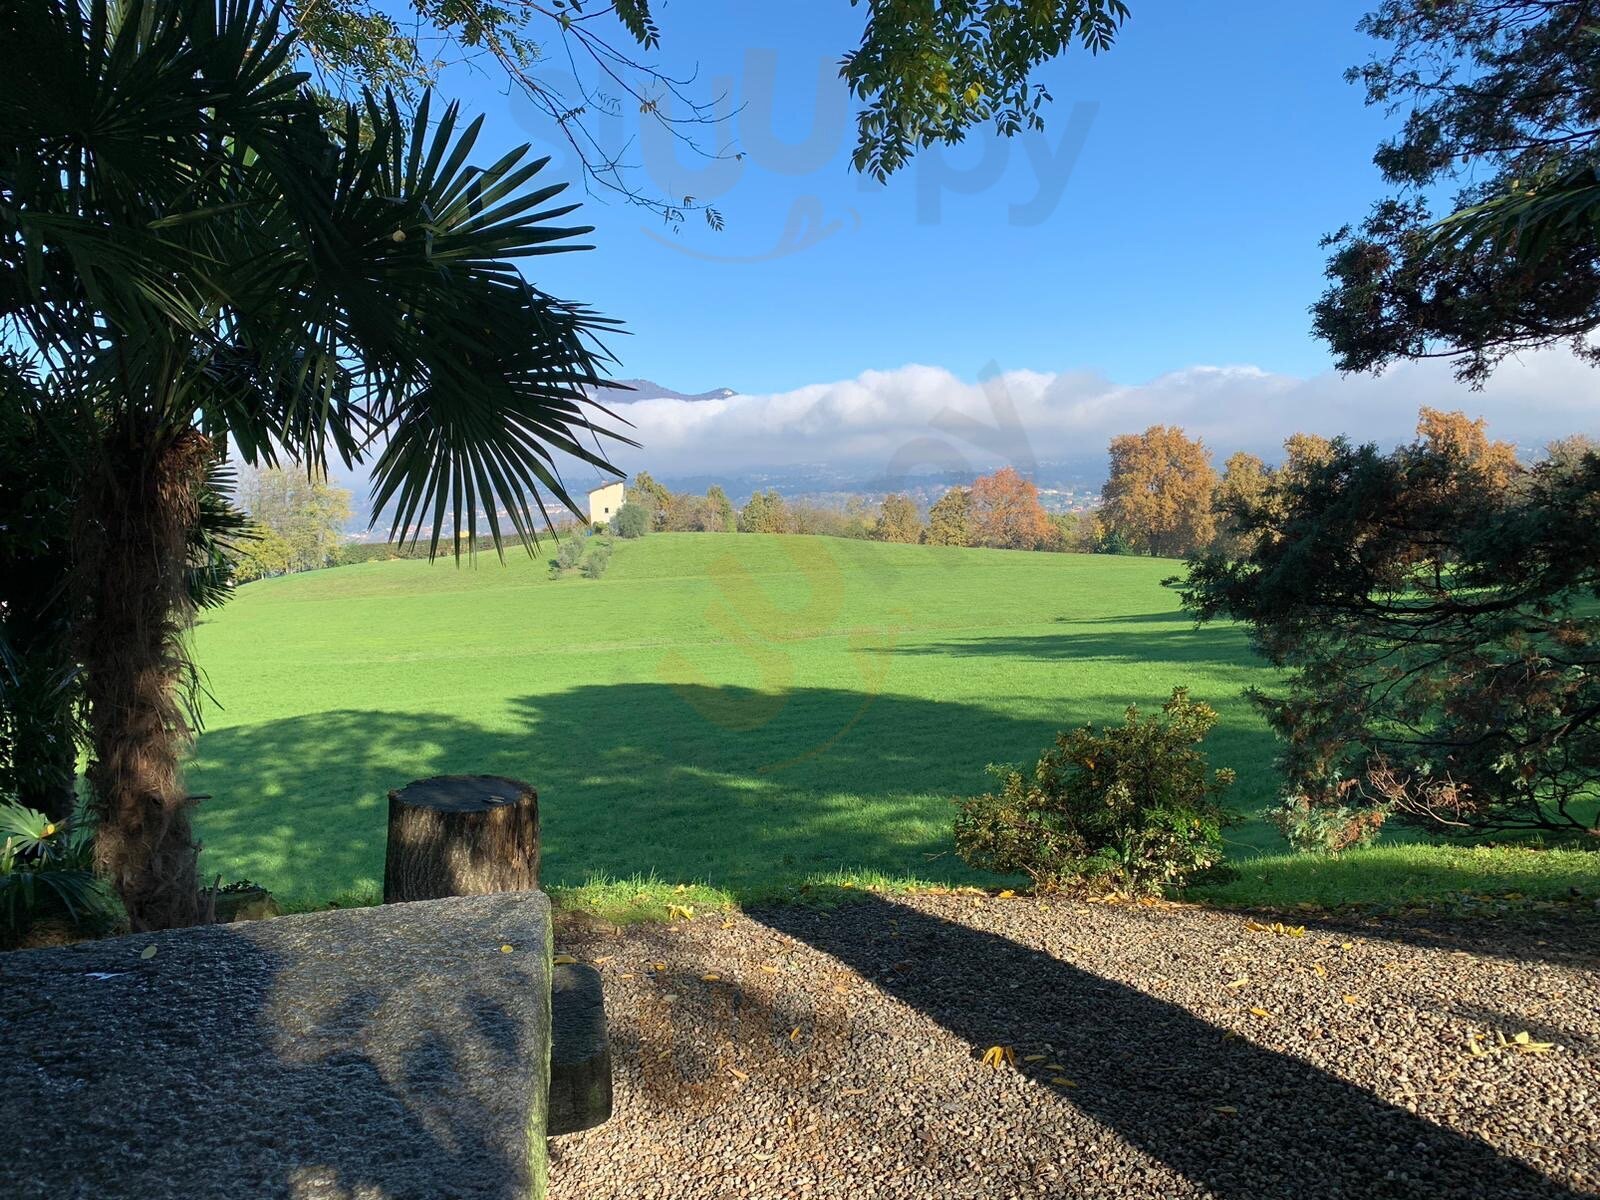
(133,543)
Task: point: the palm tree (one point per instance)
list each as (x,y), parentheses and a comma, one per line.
(193,257)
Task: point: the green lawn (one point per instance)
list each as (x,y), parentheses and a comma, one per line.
(748,713)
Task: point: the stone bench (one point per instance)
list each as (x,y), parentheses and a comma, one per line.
(394,1053)
(580,1052)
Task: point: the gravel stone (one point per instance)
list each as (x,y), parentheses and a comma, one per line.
(1162,1051)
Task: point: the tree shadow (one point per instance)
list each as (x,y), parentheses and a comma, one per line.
(1217,647)
(1170,617)
(223,1066)
(737,787)
(1155,1074)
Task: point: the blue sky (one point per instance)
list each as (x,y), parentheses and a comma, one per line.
(956,318)
(1218,142)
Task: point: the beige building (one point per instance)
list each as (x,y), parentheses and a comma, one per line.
(604,502)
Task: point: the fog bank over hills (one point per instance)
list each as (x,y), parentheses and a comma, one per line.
(922,429)
(925,420)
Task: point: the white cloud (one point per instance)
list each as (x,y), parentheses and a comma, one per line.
(919,416)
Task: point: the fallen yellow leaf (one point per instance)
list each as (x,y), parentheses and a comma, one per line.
(560,960)
(737,1074)
(999,1056)
(681,912)
(769,970)
(710,977)
(1259,1012)
(148,952)
(794,1034)
(658,966)
(1062,1081)
(1237,983)
(1320,971)
(1352,999)
(1008,894)
(854,1092)
(1226,1108)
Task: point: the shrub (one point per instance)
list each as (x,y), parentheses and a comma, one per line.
(632,521)
(570,551)
(1330,822)
(46,869)
(1134,806)
(597,560)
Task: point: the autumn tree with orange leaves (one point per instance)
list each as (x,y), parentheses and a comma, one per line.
(1158,498)
(1004,512)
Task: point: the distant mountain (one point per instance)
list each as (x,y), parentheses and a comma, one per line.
(645,389)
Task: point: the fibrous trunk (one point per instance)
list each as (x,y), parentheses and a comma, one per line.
(133,542)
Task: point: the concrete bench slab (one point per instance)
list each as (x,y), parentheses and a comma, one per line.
(395,1053)
(580,1051)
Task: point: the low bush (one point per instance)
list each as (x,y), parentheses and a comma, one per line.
(46,871)
(1135,807)
(632,521)
(1327,824)
(570,551)
(597,560)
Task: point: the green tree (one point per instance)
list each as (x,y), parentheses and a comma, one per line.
(1073,532)
(303,514)
(725,518)
(950,519)
(924,75)
(651,496)
(898,520)
(1439,635)
(40,692)
(631,521)
(765,513)
(1499,98)
(211,261)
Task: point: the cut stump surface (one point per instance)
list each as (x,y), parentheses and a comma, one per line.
(461,835)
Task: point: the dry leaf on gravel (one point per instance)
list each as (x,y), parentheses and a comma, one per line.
(999,1056)
(1522,1043)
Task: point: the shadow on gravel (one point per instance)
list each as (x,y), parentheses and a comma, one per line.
(1156,1074)
(1561,938)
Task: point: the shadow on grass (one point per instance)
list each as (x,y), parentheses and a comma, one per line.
(747,790)
(1217,647)
(1155,1074)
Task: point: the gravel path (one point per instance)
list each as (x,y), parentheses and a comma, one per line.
(1162,1051)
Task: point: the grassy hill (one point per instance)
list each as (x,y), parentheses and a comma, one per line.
(747,713)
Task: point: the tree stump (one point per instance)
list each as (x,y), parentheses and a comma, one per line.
(461,835)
